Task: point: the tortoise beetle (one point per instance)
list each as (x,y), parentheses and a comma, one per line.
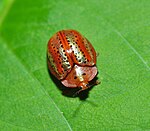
(72,59)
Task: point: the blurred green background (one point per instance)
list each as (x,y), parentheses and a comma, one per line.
(118,29)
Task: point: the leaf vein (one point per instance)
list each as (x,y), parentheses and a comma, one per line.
(133,49)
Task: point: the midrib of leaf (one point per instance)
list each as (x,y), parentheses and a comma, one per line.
(6,11)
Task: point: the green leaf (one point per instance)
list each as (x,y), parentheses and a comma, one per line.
(119,30)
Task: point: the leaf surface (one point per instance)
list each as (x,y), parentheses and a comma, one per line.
(119,31)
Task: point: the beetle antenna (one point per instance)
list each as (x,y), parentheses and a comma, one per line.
(75,94)
(88,85)
(94,83)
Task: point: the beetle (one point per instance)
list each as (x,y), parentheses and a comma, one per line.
(72,59)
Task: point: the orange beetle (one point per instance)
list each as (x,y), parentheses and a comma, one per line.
(72,59)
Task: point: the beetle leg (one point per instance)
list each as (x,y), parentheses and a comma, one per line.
(97,54)
(97,82)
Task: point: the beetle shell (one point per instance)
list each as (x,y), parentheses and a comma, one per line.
(71,58)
